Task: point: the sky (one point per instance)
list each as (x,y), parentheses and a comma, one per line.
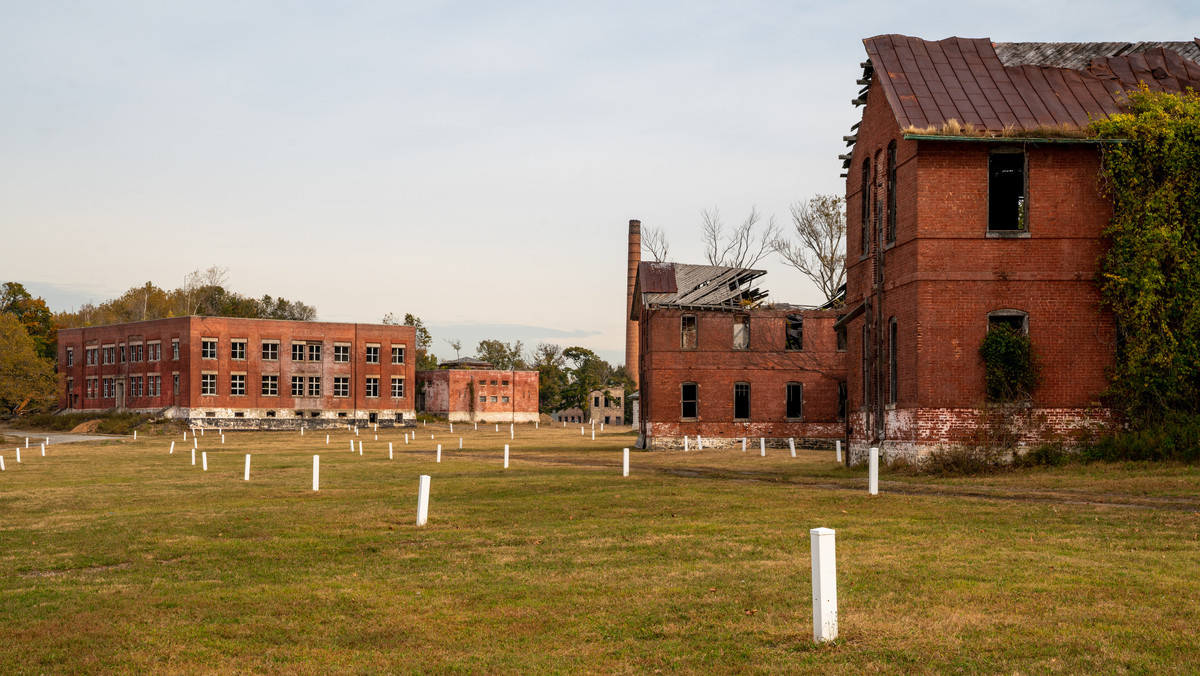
(475,164)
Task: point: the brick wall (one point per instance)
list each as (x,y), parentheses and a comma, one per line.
(480,396)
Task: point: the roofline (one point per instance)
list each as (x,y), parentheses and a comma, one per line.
(1016,139)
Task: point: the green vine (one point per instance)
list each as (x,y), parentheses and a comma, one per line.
(1010,366)
(1150,274)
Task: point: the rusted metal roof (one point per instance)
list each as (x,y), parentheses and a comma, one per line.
(694,286)
(928,83)
(656,277)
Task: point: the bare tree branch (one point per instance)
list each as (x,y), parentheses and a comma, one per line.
(742,247)
(656,244)
(819,251)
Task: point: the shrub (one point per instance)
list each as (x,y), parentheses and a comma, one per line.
(1010,366)
(1174,438)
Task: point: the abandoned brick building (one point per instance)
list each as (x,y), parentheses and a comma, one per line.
(468,390)
(972,199)
(605,406)
(714,361)
(229,372)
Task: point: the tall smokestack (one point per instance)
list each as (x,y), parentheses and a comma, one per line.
(631,327)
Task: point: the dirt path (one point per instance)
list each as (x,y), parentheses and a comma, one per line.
(38,437)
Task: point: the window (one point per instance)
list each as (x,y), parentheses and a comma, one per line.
(297,351)
(1006,191)
(493,383)
(741,401)
(208,384)
(397,354)
(1015,319)
(741,332)
(314,352)
(397,387)
(372,354)
(372,386)
(864,192)
(89,356)
(892,361)
(504,383)
(122,354)
(840,334)
(297,386)
(483,399)
(136,352)
(795,401)
(492,400)
(154,352)
(110,390)
(687,332)
(270,386)
(270,351)
(135,386)
(866,365)
(175,384)
(688,397)
(341,353)
(891,193)
(155,386)
(596,402)
(237,349)
(237,384)
(70,356)
(314,386)
(175,349)
(341,386)
(503,400)
(841,400)
(208,348)
(794,327)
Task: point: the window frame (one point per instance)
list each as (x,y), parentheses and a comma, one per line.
(269,349)
(742,400)
(694,401)
(741,321)
(1021,226)
(269,385)
(208,348)
(237,384)
(208,384)
(790,343)
(685,332)
(237,346)
(788,400)
(398,351)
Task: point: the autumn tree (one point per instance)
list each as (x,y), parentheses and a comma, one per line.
(425,361)
(34,316)
(501,355)
(27,381)
(818,247)
(548,361)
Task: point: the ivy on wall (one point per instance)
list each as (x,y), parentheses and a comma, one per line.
(1010,366)
(1150,274)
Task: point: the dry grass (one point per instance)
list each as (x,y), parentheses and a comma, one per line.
(952,127)
(120,557)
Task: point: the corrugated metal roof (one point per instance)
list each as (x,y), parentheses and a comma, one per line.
(698,286)
(1079,55)
(928,83)
(656,277)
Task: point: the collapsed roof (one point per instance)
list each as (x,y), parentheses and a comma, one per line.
(699,287)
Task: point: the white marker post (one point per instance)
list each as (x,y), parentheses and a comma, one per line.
(201,433)
(699,443)
(593,434)
(512,434)
(625,470)
(326,439)
(204,460)
(316,472)
(685,443)
(360,448)
(301,431)
(423,500)
(451,428)
(222,438)
(505,456)
(873,472)
(743,444)
(185,435)
(439,455)
(476,427)
(195,443)
(581,432)
(601,427)
(824,584)
(405,439)
(18,454)
(762,446)
(43,450)
(135,435)
(351,445)
(247,478)
(193,457)
(1,463)
(460,443)
(839,450)
(792,446)
(497,428)
(376,437)
(172,448)
(389,450)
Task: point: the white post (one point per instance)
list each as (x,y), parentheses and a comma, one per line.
(201,432)
(699,443)
(439,456)
(476,426)
(185,435)
(581,430)
(460,443)
(135,435)
(195,444)
(685,443)
(511,433)
(43,450)
(1,463)
(356,431)
(423,500)
(326,439)
(301,431)
(26,443)
(316,472)
(172,447)
(564,423)
(451,428)
(389,450)
(839,450)
(430,437)
(247,478)
(18,454)
(626,463)
(193,457)
(351,445)
(221,431)
(505,456)
(601,427)
(743,444)
(593,434)
(873,472)
(536,423)
(376,437)
(424,423)
(360,448)
(824,584)
(204,460)
(406,439)
(222,438)
(376,427)
(792,446)
(497,427)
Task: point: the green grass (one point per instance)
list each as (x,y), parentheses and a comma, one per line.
(118,556)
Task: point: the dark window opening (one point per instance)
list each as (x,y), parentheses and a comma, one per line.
(892,361)
(1006,191)
(795,400)
(841,335)
(689,399)
(795,332)
(1015,319)
(891,192)
(687,332)
(841,400)
(865,207)
(741,401)
(866,366)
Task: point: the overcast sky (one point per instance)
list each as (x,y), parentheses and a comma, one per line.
(475,164)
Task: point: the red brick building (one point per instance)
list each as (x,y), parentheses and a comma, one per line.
(241,372)
(605,406)
(713,362)
(479,395)
(972,199)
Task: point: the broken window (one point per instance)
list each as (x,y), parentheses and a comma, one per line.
(795,332)
(688,395)
(891,192)
(70,356)
(175,384)
(741,332)
(1006,190)
(841,400)
(174,349)
(1015,319)
(865,207)
(892,387)
(795,401)
(687,332)
(741,401)
(841,335)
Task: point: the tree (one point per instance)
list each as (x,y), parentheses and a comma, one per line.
(588,372)
(504,356)
(819,249)
(455,345)
(552,376)
(34,316)
(741,247)
(425,361)
(27,380)
(656,244)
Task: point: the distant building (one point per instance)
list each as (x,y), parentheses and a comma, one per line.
(236,372)
(472,391)
(603,406)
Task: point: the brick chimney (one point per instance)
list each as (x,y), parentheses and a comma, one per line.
(631,327)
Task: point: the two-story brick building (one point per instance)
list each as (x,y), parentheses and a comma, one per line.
(973,199)
(468,390)
(241,372)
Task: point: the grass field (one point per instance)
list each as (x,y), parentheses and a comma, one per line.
(120,557)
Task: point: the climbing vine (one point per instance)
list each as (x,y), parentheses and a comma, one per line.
(1010,366)
(1150,274)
